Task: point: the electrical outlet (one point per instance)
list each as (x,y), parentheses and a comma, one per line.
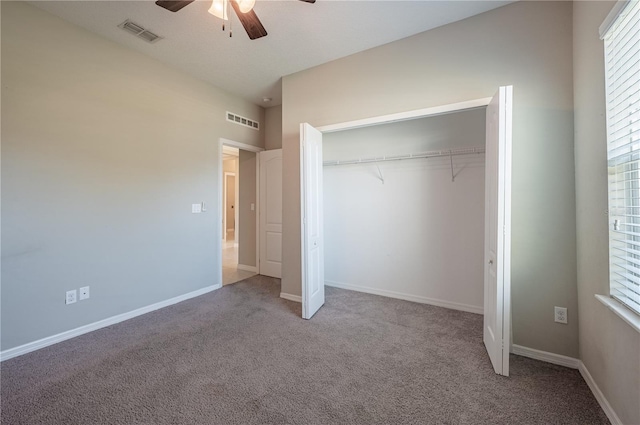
(84,293)
(71,297)
(560,314)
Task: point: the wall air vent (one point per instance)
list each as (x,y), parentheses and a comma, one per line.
(235,118)
(139,31)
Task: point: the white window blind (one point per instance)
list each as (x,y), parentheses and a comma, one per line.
(622,68)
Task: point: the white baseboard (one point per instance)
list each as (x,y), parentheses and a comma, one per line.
(54,339)
(290,297)
(574,364)
(546,356)
(407,297)
(253,269)
(604,404)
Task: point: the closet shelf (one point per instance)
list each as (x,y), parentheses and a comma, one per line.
(430,154)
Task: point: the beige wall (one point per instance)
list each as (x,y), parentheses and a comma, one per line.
(609,347)
(103,152)
(527,44)
(273,127)
(247,218)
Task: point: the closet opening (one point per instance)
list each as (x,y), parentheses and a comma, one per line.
(404,209)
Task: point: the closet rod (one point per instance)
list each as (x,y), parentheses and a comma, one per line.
(430,154)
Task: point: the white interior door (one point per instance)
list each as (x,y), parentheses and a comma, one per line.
(271,213)
(497,268)
(312,231)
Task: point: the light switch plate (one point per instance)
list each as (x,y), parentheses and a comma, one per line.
(196,208)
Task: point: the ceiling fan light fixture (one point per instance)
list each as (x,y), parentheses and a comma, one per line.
(246,5)
(219,9)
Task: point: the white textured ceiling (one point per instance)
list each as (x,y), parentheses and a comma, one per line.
(300,35)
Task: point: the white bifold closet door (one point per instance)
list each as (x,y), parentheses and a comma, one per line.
(497,267)
(312,220)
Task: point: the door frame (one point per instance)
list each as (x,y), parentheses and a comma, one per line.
(225,215)
(220,187)
(366,122)
(408,115)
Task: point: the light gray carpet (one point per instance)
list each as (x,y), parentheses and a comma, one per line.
(241,355)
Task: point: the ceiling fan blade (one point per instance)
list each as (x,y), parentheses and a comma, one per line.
(174,6)
(249,21)
(309,1)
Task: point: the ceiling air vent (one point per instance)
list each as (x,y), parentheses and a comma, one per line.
(235,118)
(139,31)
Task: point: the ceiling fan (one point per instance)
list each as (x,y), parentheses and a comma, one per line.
(243,9)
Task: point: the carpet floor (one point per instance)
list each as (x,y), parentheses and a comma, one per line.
(242,355)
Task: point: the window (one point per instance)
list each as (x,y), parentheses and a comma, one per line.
(622,73)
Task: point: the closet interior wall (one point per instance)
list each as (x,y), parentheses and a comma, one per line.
(403,228)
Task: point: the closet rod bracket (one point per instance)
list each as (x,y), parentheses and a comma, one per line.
(453,176)
(381,176)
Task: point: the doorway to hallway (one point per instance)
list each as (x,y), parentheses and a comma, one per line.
(239,198)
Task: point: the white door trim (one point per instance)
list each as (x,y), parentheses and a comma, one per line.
(508,180)
(239,145)
(218,228)
(408,115)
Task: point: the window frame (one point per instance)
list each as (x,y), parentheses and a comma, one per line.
(622,55)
